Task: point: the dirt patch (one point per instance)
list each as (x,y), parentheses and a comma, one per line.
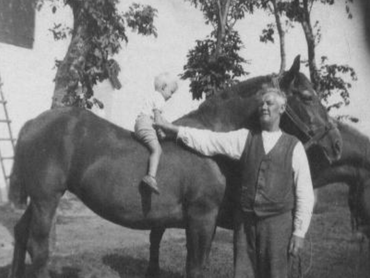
(88,246)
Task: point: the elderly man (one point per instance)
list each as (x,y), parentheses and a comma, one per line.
(276,195)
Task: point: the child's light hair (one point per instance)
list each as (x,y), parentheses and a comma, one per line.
(281,97)
(165,79)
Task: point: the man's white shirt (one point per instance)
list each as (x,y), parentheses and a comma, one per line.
(232,144)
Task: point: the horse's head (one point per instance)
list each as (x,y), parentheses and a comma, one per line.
(237,107)
(311,122)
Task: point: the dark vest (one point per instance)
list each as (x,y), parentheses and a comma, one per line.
(267,186)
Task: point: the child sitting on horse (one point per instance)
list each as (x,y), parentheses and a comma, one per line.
(165,86)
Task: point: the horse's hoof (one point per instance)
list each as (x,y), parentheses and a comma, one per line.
(152,272)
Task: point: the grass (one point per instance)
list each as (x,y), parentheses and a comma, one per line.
(92,248)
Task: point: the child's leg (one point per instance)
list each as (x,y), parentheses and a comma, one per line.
(145,132)
(155,155)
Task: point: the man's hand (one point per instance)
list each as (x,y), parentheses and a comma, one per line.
(167,128)
(161,135)
(296,245)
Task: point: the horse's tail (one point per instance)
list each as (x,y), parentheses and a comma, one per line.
(17,193)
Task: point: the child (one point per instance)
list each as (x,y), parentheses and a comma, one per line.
(165,85)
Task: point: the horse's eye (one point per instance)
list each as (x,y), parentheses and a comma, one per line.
(306,96)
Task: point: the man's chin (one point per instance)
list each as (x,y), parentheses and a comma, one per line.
(264,118)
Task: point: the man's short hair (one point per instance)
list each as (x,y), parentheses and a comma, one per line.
(281,97)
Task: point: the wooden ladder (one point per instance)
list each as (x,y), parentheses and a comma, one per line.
(7,142)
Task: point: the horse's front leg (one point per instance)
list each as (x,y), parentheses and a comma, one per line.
(156,235)
(200,231)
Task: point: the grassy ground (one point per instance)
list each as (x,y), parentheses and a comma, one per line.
(89,247)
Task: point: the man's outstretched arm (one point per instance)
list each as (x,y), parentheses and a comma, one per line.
(208,142)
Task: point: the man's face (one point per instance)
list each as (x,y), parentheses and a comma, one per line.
(270,109)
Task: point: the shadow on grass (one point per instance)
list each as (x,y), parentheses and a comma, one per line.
(224,236)
(66,272)
(127,266)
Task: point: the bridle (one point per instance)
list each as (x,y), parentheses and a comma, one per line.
(313,135)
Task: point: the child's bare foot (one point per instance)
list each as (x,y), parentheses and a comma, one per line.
(151,183)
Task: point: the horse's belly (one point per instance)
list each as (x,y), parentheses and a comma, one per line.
(119,199)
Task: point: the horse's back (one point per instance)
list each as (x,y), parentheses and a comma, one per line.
(73,149)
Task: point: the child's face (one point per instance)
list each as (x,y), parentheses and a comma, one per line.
(169,90)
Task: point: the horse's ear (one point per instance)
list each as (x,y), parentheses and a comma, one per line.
(292,73)
(296,65)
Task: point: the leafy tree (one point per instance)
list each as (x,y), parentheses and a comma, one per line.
(328,79)
(300,11)
(214,63)
(97,33)
(333,78)
(209,72)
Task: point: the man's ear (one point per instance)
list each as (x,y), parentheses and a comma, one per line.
(282,109)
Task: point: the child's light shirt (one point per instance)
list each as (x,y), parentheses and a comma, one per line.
(153,101)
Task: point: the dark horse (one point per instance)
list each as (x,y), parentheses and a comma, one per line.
(353,168)
(101,163)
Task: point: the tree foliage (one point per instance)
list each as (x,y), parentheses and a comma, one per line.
(214,63)
(335,79)
(208,74)
(97,34)
(328,79)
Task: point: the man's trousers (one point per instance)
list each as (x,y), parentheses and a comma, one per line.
(261,245)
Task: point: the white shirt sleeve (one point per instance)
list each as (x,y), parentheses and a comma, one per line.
(211,143)
(232,145)
(304,191)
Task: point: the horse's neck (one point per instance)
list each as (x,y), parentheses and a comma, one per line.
(342,173)
(356,147)
(229,109)
(221,115)
(354,164)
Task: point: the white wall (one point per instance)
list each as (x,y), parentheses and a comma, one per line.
(28,74)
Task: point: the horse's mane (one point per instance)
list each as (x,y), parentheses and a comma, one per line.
(242,89)
(230,95)
(351,133)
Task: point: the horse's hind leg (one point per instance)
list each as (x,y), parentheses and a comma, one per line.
(156,235)
(43,212)
(200,231)
(21,233)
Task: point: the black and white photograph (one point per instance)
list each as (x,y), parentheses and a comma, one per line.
(184,138)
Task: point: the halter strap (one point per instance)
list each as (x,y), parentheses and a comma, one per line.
(313,135)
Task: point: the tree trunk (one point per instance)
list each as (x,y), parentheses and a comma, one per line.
(67,75)
(310,39)
(223,9)
(281,37)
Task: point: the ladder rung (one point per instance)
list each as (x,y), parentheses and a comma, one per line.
(3,102)
(5,121)
(7,157)
(7,139)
